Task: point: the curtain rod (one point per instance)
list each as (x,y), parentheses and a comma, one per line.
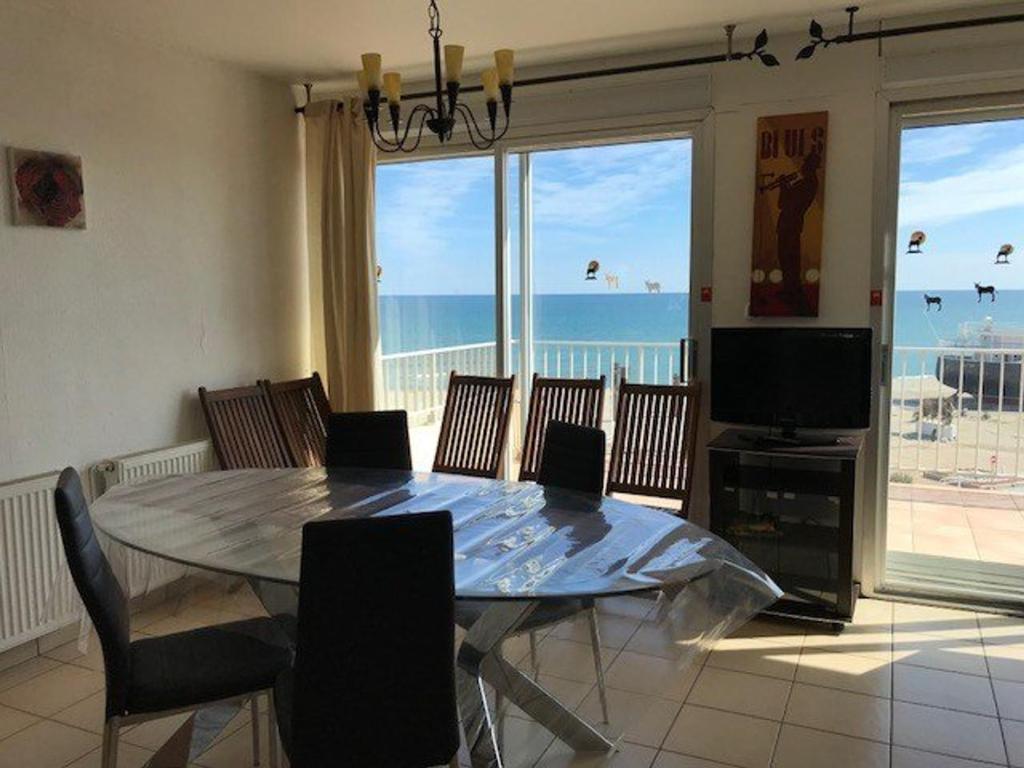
(817,33)
(756,52)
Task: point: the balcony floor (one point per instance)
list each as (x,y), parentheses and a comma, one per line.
(943,522)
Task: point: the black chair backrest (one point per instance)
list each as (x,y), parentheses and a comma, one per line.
(375,440)
(374,665)
(573,458)
(97,585)
(474,427)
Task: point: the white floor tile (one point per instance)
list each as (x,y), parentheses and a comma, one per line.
(806,748)
(723,736)
(937,688)
(952,733)
(846,671)
(740,692)
(829,709)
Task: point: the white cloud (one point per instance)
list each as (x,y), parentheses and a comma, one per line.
(996,184)
(925,146)
(418,213)
(602,187)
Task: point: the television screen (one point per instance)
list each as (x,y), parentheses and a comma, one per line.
(792,377)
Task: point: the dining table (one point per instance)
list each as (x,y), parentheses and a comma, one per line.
(517,547)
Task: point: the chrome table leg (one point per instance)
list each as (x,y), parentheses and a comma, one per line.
(480,661)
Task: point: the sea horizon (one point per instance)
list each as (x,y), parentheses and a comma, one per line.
(411,322)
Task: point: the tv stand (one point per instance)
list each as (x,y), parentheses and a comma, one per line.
(789,507)
(788,440)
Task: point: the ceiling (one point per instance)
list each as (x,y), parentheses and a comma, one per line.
(321,40)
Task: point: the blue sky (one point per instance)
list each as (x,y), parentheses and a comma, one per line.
(626,205)
(963,186)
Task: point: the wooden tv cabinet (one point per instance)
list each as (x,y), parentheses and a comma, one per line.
(790,509)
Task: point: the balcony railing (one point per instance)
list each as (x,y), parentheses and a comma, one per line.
(418,381)
(957,414)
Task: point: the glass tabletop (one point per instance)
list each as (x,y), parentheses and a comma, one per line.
(512,540)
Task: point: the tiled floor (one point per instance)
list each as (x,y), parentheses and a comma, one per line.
(905,686)
(953,523)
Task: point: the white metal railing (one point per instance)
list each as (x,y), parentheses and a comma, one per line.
(418,381)
(957,413)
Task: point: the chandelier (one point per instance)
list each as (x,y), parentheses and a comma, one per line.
(439,119)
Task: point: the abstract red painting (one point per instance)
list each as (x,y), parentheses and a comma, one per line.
(47,189)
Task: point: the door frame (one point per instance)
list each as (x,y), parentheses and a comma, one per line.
(894,112)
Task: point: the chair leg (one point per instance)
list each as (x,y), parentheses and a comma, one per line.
(109,753)
(595,642)
(534,658)
(499,721)
(254,708)
(275,749)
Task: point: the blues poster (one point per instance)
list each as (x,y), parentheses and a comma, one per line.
(789,208)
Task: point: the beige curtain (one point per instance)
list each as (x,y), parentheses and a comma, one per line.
(340,160)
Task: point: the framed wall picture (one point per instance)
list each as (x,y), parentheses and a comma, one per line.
(789,208)
(46,189)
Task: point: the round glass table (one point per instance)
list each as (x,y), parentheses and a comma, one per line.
(517,546)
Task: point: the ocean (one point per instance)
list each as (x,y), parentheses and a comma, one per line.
(409,323)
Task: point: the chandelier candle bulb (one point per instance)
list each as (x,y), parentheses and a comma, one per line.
(393,87)
(371,66)
(453,55)
(505,60)
(489,77)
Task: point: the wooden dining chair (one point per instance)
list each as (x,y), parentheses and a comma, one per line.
(301,408)
(245,432)
(573,401)
(655,439)
(474,428)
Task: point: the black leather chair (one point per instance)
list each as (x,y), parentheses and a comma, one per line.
(158,676)
(374,676)
(373,440)
(573,458)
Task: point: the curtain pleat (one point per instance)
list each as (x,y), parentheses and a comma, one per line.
(340,162)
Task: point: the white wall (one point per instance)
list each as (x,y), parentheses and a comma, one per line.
(191,270)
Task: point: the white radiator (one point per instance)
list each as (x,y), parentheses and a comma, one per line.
(36,592)
(176,460)
(144,572)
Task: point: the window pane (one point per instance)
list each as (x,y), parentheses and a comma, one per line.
(435,249)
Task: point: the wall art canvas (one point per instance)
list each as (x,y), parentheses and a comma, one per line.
(46,189)
(789,209)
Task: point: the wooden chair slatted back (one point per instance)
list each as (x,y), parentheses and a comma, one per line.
(654,446)
(474,428)
(302,410)
(574,401)
(244,430)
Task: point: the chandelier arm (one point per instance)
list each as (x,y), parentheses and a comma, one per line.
(424,116)
(472,125)
(388,145)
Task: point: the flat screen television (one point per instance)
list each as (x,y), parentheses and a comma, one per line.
(789,378)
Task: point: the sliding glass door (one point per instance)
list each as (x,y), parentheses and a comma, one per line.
(600,250)
(955,496)
(595,240)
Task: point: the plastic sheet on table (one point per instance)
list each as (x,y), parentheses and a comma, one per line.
(660,590)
